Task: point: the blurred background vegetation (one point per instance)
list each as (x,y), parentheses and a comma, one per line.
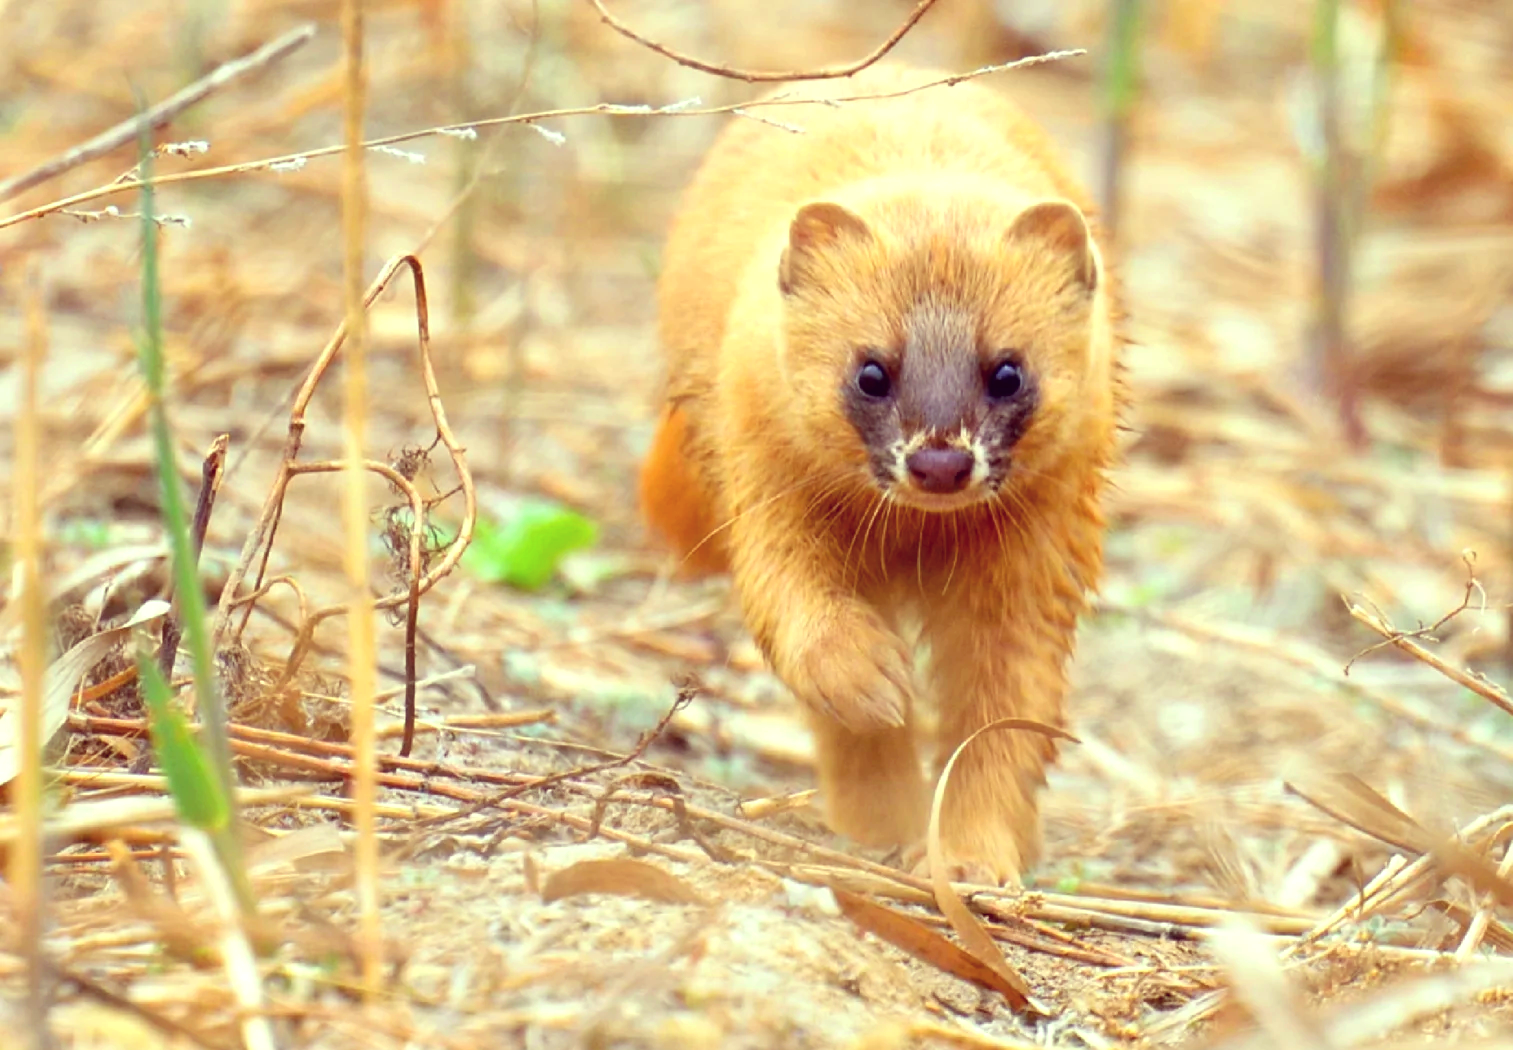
(1312,205)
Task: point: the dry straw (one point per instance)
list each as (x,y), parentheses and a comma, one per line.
(362,654)
(26,871)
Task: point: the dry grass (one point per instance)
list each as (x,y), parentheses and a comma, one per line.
(1188,897)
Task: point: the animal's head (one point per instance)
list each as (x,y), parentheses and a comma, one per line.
(939,343)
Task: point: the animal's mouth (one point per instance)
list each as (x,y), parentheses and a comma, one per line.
(939,502)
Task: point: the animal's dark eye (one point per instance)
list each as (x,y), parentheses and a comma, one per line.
(872,380)
(1006,381)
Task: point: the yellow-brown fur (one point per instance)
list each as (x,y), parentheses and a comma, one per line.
(909,225)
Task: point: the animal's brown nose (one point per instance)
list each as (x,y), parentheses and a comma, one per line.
(940,470)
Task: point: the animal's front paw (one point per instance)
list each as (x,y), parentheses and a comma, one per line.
(853,669)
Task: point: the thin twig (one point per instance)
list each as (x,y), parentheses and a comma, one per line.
(271,739)
(292,160)
(1473,586)
(412,628)
(305,635)
(161,114)
(237,960)
(752,76)
(211,472)
(686,693)
(259,544)
(1480,686)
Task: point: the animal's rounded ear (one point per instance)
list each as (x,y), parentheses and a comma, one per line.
(815,228)
(1060,227)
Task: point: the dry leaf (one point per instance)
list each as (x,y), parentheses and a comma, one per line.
(180,935)
(928,946)
(296,848)
(107,563)
(973,937)
(62,678)
(1349,799)
(619,875)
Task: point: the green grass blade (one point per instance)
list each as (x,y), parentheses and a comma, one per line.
(187,589)
(1121,74)
(197,792)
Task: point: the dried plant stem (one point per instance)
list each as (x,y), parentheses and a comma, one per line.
(210,482)
(1333,235)
(282,749)
(1476,930)
(259,544)
(236,953)
(412,628)
(757,76)
(362,655)
(1154,917)
(128,130)
(86,817)
(26,878)
(482,724)
(305,636)
(1158,917)
(472,127)
(1394,880)
(1480,686)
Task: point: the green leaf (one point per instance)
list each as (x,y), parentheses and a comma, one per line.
(1121,72)
(84,532)
(526,550)
(192,781)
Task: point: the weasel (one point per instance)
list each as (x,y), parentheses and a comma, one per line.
(892,398)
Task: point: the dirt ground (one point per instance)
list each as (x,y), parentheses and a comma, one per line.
(1210,692)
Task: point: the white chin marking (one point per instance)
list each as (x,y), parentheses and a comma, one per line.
(979,464)
(898,452)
